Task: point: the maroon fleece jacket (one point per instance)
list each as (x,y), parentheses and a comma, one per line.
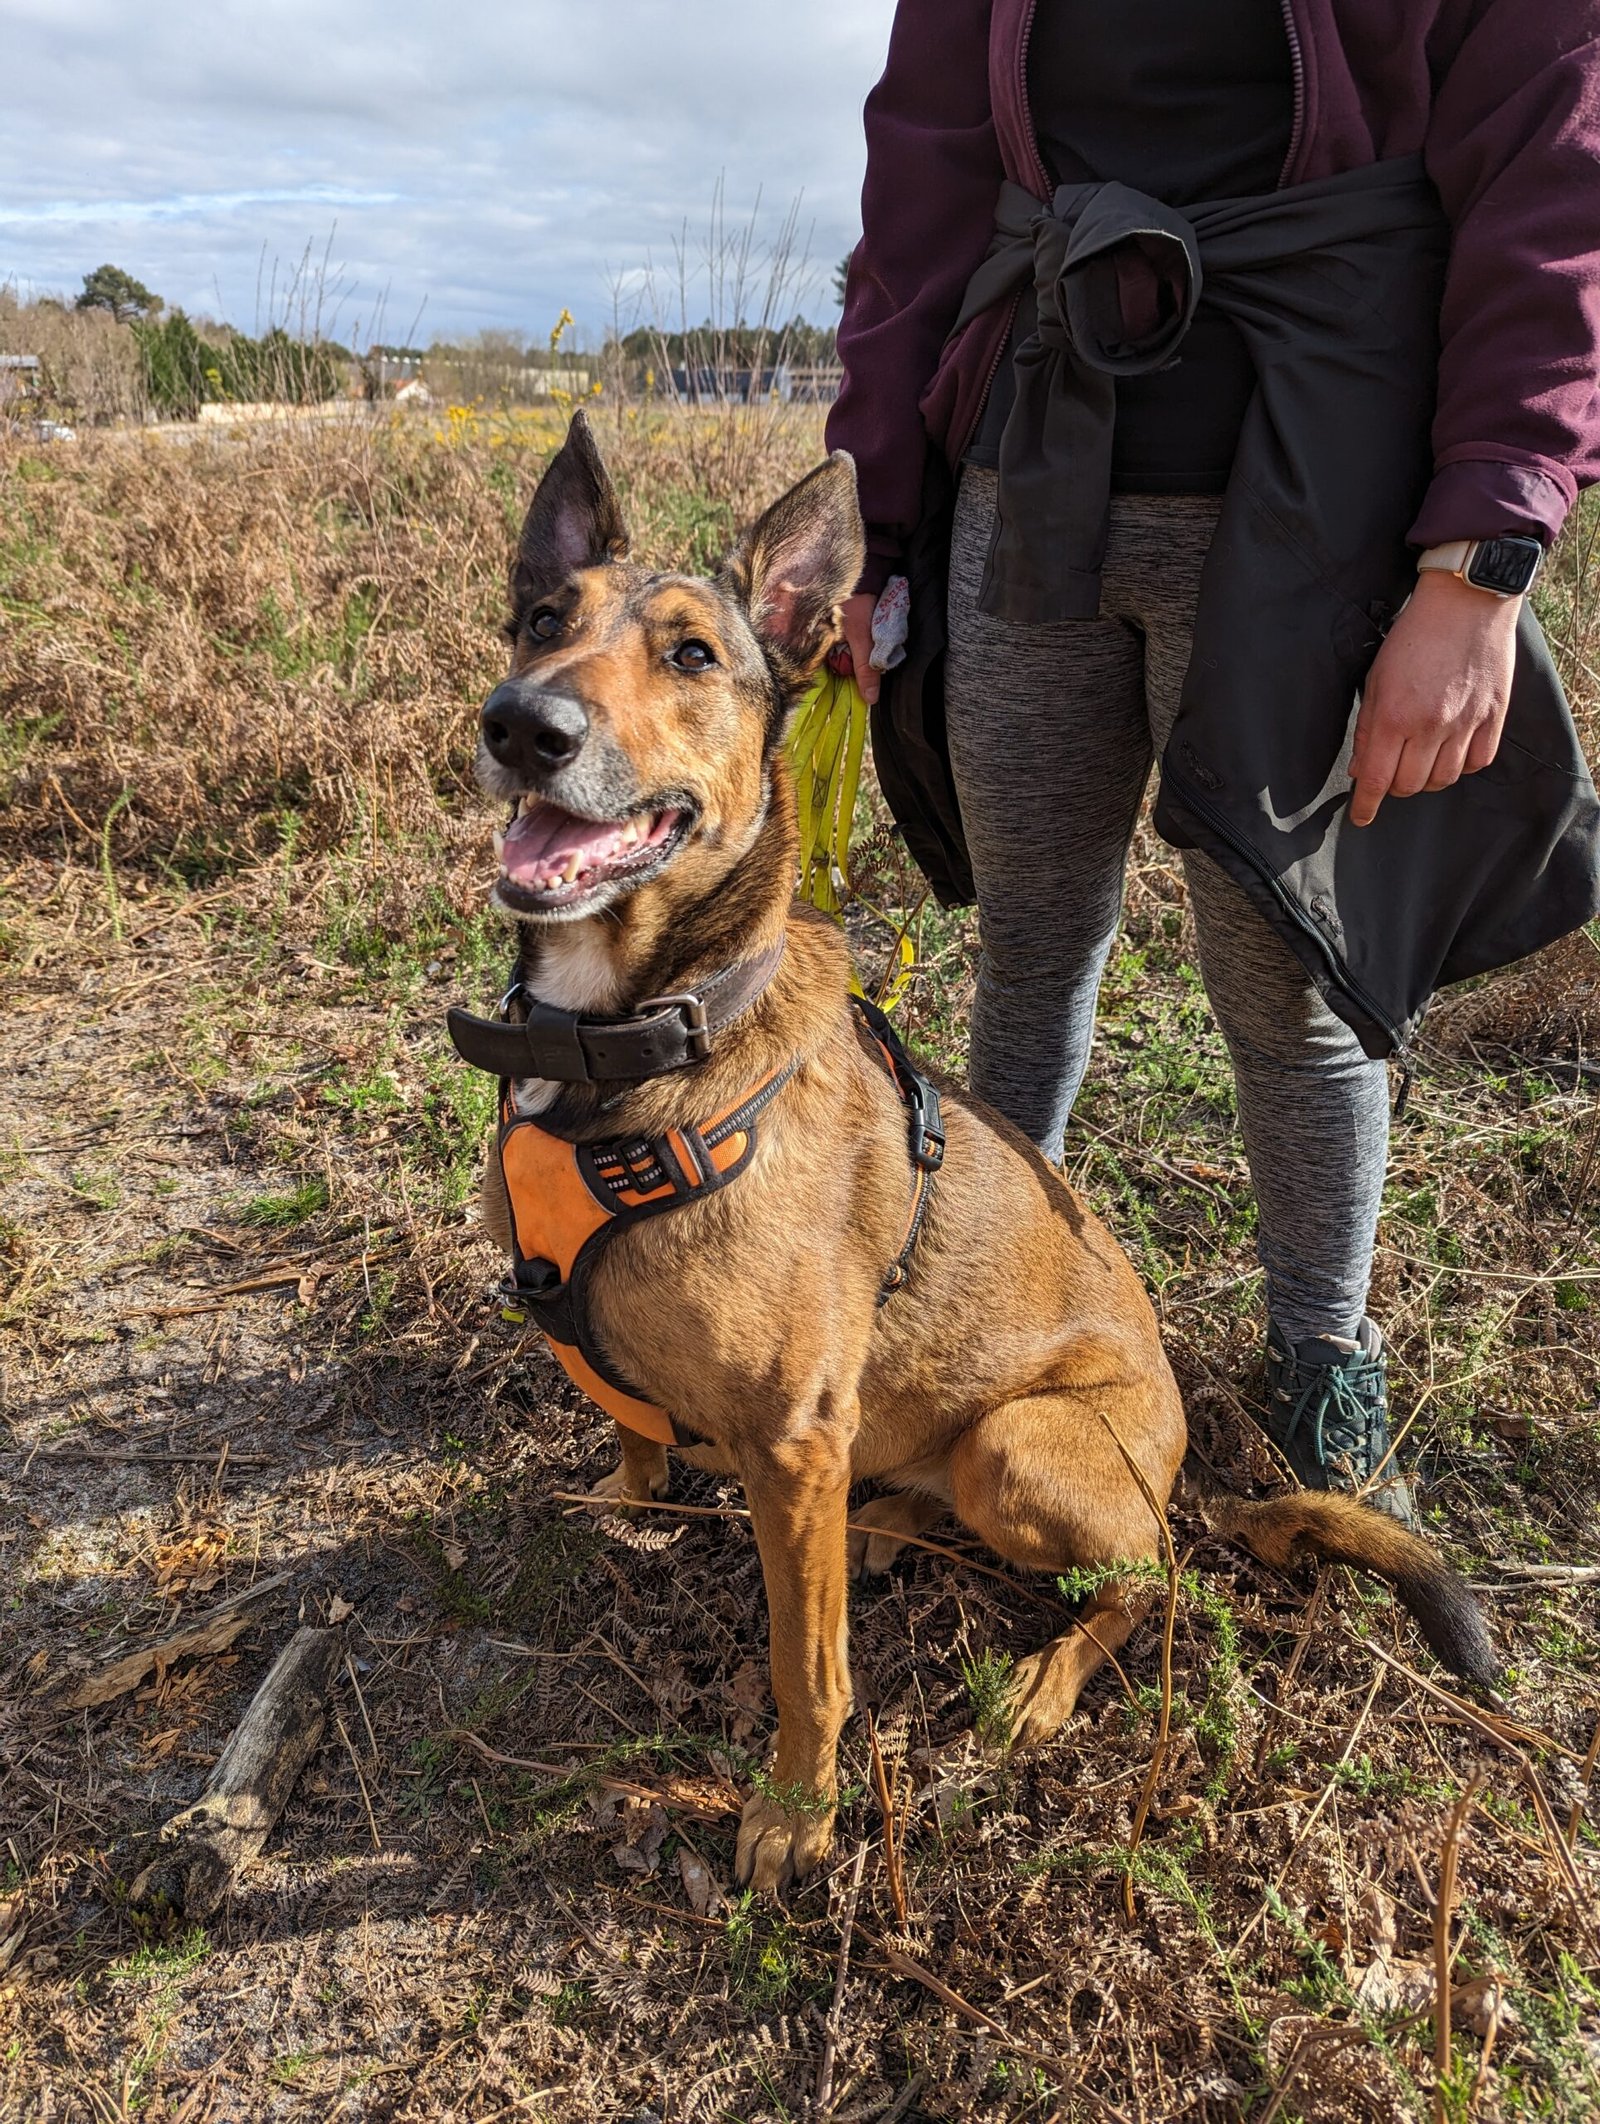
(1501,98)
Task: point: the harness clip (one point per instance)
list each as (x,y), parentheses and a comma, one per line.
(927,1125)
(694,1014)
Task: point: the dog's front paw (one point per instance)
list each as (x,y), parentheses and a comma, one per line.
(632,1485)
(779,1844)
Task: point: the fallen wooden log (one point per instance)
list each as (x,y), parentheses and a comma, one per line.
(214,1631)
(200,1850)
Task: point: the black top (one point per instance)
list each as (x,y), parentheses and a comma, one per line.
(1187,100)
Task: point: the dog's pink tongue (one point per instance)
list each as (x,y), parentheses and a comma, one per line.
(545,840)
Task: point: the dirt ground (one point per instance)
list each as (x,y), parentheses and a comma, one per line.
(249,1333)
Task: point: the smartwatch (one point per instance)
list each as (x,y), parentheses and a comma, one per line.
(1505,567)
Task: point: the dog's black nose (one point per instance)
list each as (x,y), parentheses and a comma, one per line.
(528,729)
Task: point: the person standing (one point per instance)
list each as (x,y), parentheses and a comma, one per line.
(1240,359)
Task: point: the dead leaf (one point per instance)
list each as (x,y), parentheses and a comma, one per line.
(705,1897)
(455,1554)
(1507,1423)
(339,1609)
(644,1828)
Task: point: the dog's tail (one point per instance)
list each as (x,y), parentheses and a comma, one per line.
(1336,1529)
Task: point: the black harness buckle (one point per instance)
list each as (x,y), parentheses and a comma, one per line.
(927,1123)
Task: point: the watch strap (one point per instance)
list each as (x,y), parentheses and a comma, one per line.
(1453,559)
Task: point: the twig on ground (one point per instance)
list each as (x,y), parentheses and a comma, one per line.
(891,1848)
(902,1965)
(1444,1904)
(1586,1778)
(355,1764)
(822,2101)
(566,1772)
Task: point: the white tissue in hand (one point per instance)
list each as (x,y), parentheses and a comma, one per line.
(891,622)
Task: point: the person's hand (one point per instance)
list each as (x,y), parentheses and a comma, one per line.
(1436,698)
(856,614)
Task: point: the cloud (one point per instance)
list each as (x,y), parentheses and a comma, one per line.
(476,164)
(114,212)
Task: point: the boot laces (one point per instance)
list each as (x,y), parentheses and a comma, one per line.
(1344,1403)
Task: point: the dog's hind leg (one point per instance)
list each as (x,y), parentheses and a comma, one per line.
(642,1473)
(1045,1484)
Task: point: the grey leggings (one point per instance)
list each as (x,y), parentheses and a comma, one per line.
(1052,730)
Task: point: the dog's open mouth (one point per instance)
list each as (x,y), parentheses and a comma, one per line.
(553,859)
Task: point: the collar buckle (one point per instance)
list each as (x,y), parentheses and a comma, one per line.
(693,1008)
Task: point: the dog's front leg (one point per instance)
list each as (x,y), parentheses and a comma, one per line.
(642,1472)
(798,1496)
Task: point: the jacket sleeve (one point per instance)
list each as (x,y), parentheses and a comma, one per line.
(927,213)
(1514,149)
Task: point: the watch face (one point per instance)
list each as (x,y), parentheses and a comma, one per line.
(1506,565)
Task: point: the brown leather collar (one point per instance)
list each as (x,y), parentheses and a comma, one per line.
(665,1033)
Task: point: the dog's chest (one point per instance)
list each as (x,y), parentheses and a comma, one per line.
(575,972)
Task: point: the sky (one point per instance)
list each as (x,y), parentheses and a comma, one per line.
(452,167)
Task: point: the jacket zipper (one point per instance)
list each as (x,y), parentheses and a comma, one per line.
(1297,60)
(1043,178)
(1039,170)
(1341,973)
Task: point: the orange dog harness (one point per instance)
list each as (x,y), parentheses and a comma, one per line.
(568,1200)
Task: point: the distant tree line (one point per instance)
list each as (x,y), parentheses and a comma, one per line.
(183,371)
(117,348)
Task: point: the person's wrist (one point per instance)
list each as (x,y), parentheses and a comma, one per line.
(1441,595)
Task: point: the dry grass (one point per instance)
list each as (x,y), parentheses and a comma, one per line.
(246,1333)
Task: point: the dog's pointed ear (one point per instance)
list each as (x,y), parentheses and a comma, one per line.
(796,565)
(574,521)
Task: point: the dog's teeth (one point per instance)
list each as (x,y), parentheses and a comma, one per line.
(499,843)
(574,865)
(629,834)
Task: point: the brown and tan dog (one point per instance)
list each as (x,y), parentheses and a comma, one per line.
(1017,1372)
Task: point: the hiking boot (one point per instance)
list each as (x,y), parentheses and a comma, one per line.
(1328,1413)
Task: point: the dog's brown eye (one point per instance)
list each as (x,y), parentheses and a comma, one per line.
(693,656)
(545,623)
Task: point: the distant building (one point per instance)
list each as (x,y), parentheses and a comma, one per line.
(410,391)
(725,384)
(20,378)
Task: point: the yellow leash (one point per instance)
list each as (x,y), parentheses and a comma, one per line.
(826,741)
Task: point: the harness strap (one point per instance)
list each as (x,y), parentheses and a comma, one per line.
(925,1118)
(665,1033)
(622,1182)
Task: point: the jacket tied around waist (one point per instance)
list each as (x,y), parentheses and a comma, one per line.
(1335,288)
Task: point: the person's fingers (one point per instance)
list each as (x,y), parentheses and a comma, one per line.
(1485,747)
(1450,761)
(1414,769)
(858,640)
(1379,750)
